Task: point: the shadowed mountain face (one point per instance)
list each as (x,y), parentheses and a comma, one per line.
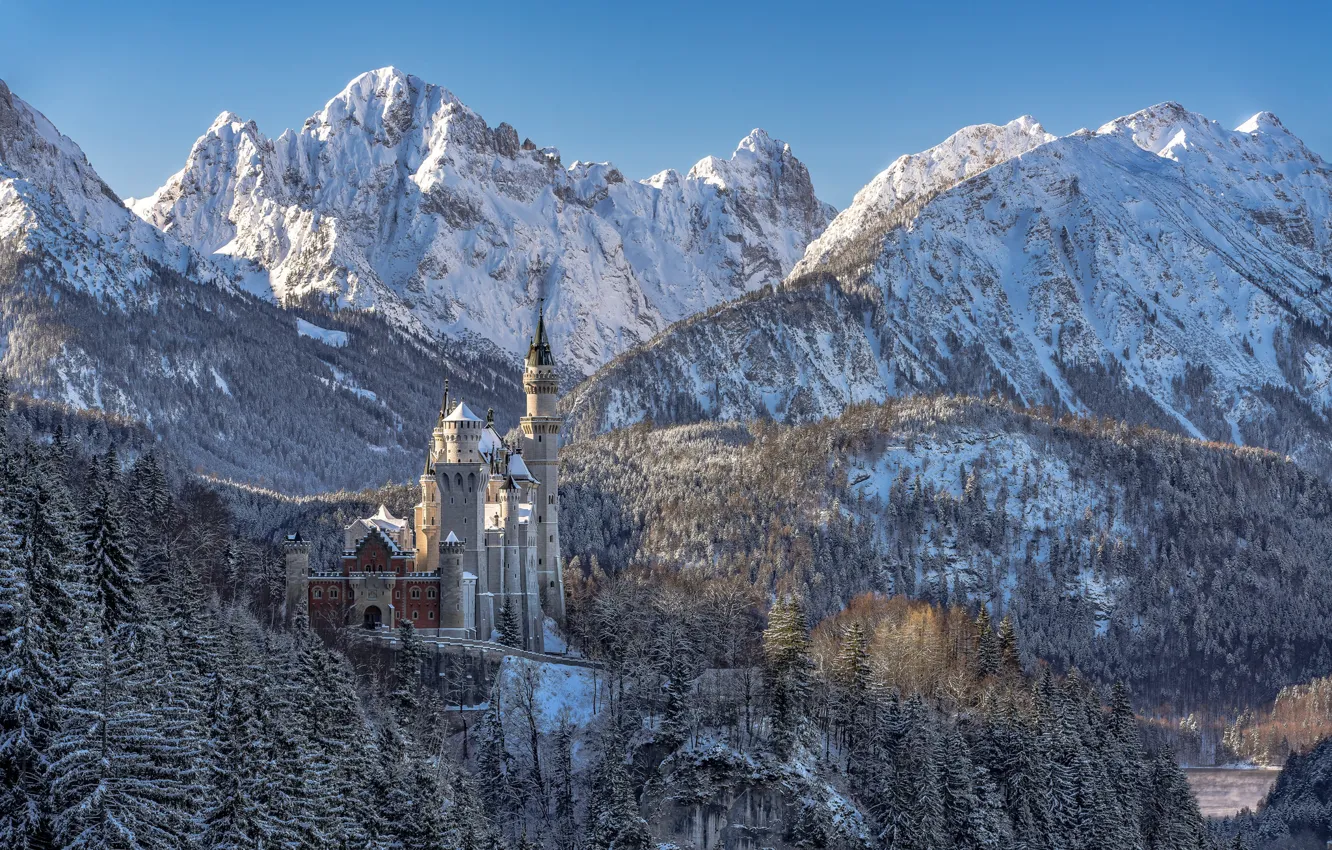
(396,197)
(1161,270)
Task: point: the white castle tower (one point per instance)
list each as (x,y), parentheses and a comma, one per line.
(541,438)
(485,544)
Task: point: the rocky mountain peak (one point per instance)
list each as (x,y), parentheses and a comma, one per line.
(897,193)
(399,198)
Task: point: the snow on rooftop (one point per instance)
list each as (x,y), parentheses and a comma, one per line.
(462,413)
(385,519)
(490,441)
(518,469)
(452,538)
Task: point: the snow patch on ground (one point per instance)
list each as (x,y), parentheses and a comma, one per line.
(558,690)
(335,339)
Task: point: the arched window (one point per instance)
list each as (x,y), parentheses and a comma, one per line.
(458,480)
(318,593)
(415,614)
(416,593)
(471,481)
(444,479)
(430,594)
(332,593)
(430,615)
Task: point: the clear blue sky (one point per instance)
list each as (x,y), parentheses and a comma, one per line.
(649,86)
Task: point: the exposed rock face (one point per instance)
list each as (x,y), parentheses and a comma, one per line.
(1161,269)
(397,197)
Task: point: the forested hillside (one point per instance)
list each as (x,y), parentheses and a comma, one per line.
(150,698)
(1192,571)
(231,384)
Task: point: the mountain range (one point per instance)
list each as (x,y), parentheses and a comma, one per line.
(1160,270)
(398,198)
(281,327)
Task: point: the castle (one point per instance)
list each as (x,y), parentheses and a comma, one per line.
(482,556)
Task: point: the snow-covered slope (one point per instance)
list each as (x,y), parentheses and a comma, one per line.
(53,206)
(100,310)
(897,193)
(1161,269)
(397,197)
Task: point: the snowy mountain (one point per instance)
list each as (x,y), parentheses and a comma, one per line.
(53,205)
(1161,269)
(101,311)
(398,198)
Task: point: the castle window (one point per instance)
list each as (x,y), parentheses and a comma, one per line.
(430,594)
(540,518)
(552,583)
(457,479)
(430,615)
(332,593)
(318,594)
(450,500)
(415,614)
(471,481)
(551,500)
(539,560)
(397,594)
(552,538)
(416,593)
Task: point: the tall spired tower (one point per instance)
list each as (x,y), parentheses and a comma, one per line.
(541,432)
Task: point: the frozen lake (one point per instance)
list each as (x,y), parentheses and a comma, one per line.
(1224,791)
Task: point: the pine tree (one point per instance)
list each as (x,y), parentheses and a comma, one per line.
(112,769)
(614,820)
(563,779)
(465,824)
(424,825)
(852,678)
(510,630)
(407,676)
(110,570)
(493,760)
(28,698)
(234,819)
(786,672)
(987,647)
(1010,661)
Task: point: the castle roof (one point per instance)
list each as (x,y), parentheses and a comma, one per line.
(518,469)
(490,441)
(386,520)
(462,413)
(538,353)
(452,538)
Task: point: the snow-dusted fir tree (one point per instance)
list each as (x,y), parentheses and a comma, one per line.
(28,697)
(786,672)
(110,569)
(113,765)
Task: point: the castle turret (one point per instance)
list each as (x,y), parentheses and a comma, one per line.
(452,617)
(296,555)
(541,433)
